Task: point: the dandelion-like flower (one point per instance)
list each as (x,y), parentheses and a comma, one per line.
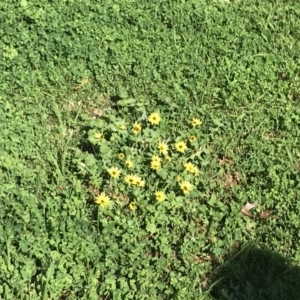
(195,171)
(191,168)
(114,172)
(186,187)
(160,196)
(99,135)
(130,179)
(121,155)
(192,138)
(132,206)
(195,122)
(122,127)
(163,148)
(188,166)
(137,128)
(180,146)
(156,158)
(138,181)
(128,164)
(155,165)
(103,200)
(154,118)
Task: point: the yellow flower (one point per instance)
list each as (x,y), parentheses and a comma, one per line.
(192,138)
(99,135)
(130,179)
(132,206)
(121,155)
(103,200)
(114,172)
(128,163)
(168,158)
(163,148)
(155,165)
(122,127)
(195,170)
(155,158)
(154,118)
(188,166)
(139,182)
(195,122)
(137,128)
(191,168)
(160,196)
(186,187)
(180,146)
(178,178)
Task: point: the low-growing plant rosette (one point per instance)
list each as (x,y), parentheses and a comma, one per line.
(140,161)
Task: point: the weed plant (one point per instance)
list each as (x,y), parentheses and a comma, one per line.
(132,135)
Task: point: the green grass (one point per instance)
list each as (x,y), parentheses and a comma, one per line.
(72,73)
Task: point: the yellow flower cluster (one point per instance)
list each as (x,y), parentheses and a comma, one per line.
(134,180)
(130,179)
(156,162)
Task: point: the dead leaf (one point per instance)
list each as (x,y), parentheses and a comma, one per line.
(229,181)
(237,176)
(73,105)
(270,135)
(225,160)
(265,214)
(246,209)
(95,112)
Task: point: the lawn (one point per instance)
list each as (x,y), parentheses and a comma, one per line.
(149,149)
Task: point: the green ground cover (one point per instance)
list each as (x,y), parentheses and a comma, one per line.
(133,133)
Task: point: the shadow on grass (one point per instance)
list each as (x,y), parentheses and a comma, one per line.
(257,274)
